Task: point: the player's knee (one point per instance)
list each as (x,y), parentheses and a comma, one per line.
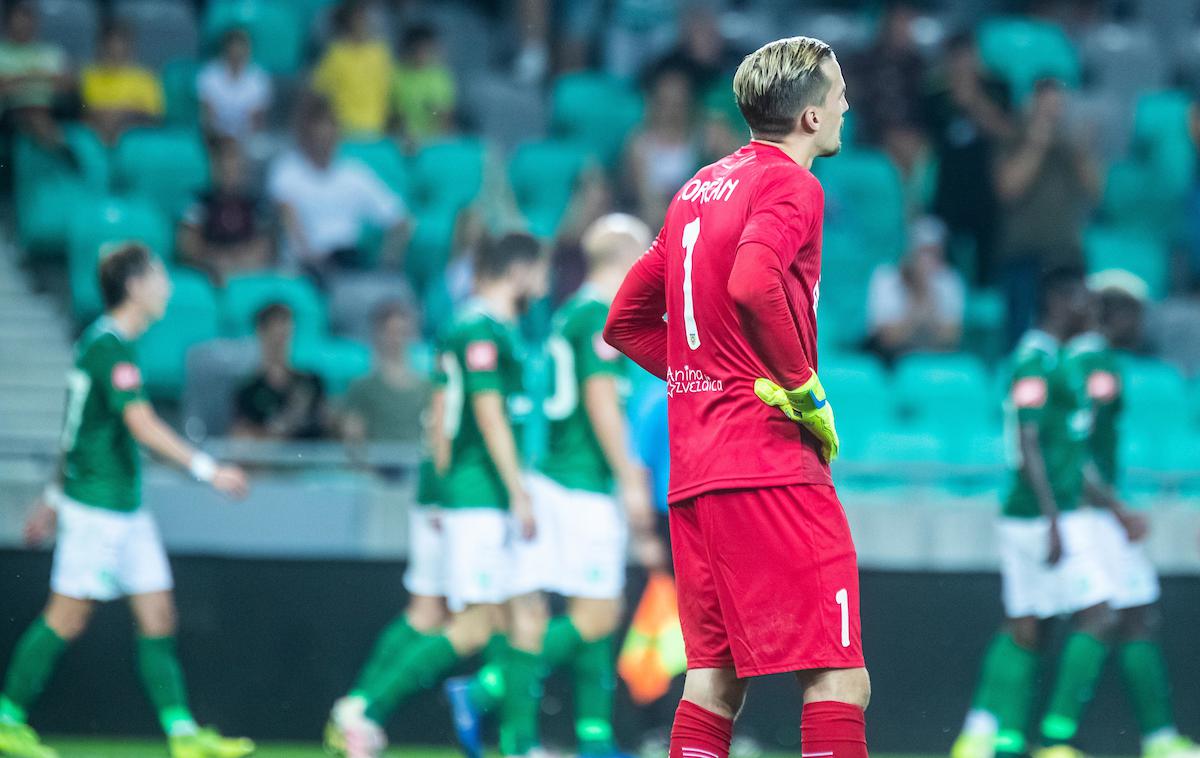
(529,617)
(1139,623)
(68,620)
(1025,633)
(718,691)
(596,619)
(851,686)
(158,620)
(470,630)
(426,614)
(1100,621)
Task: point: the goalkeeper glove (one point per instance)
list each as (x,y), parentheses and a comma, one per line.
(807,406)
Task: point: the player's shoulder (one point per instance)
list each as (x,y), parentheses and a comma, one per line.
(100,341)
(581,311)
(1089,345)
(472,322)
(1037,349)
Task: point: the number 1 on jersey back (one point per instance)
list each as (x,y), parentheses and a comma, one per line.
(691,235)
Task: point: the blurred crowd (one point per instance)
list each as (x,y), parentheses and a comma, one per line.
(997,176)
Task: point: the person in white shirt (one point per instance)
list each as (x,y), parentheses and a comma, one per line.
(325,202)
(918,304)
(234,92)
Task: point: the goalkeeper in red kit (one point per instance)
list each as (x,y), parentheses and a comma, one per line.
(764,560)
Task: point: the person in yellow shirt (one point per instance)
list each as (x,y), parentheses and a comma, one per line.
(423,90)
(116,92)
(356,72)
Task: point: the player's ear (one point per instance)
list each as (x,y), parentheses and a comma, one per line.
(810,120)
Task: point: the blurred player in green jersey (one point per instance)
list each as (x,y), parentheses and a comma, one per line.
(1119,297)
(108,544)
(424,577)
(487,519)
(1050,564)
(581,523)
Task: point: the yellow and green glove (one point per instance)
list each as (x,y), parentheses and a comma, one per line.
(807,406)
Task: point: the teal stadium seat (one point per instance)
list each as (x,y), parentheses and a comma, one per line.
(1161,132)
(543,176)
(596,109)
(384,159)
(862,399)
(45,184)
(337,361)
(167,166)
(905,446)
(946,394)
(1155,392)
(864,194)
(277,30)
(1137,200)
(1023,50)
(192,317)
(1131,251)
(247,294)
(179,92)
(447,174)
(99,221)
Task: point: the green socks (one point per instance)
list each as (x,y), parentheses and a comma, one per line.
(523,672)
(1082,661)
(561,643)
(1006,689)
(424,663)
(391,644)
(32,662)
(595,683)
(486,689)
(1145,674)
(162,676)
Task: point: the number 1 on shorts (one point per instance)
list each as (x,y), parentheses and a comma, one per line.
(691,234)
(843,601)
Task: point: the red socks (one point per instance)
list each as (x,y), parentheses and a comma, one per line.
(698,733)
(829,729)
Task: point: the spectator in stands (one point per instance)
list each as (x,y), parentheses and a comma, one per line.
(702,52)
(33,77)
(1046,184)
(886,81)
(918,304)
(664,152)
(223,232)
(356,72)
(279,402)
(423,90)
(387,404)
(325,201)
(117,93)
(234,91)
(966,111)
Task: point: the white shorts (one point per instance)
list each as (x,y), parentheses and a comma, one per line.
(1133,577)
(1034,588)
(476,559)
(587,538)
(103,554)
(426,573)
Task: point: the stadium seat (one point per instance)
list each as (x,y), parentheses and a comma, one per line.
(1132,251)
(946,394)
(179,91)
(597,109)
(1161,137)
(1023,50)
(275,26)
(507,112)
(895,445)
(863,192)
(467,34)
(1136,199)
(1123,59)
(246,294)
(168,166)
(354,296)
(192,317)
(44,184)
(1155,393)
(215,371)
(447,174)
(162,31)
(336,360)
(384,159)
(861,396)
(429,248)
(73,25)
(543,176)
(99,221)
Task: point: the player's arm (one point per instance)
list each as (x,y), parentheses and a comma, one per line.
(786,213)
(1030,391)
(435,431)
(602,402)
(501,445)
(1104,495)
(43,515)
(635,324)
(152,432)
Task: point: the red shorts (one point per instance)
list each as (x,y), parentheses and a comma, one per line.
(767,580)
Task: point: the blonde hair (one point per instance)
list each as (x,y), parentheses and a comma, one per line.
(610,236)
(776,82)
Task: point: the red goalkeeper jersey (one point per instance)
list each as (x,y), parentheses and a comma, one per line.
(756,201)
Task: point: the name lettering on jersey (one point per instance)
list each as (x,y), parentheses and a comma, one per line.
(714,189)
(688,380)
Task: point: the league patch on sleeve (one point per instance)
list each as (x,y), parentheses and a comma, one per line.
(126,377)
(482,355)
(603,350)
(1030,392)
(1102,386)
